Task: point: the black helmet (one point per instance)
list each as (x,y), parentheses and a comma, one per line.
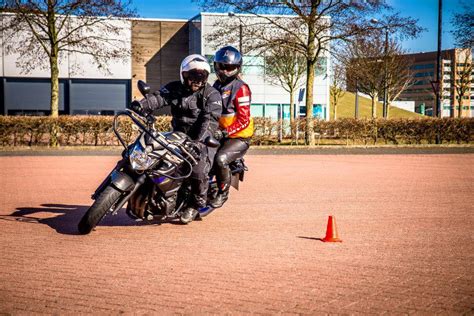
(227,63)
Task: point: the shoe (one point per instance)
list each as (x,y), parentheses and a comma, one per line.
(220,199)
(188,215)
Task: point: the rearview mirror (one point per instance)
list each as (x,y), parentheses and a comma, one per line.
(143,87)
(212,142)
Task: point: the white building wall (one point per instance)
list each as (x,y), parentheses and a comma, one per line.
(71,65)
(405,105)
(82,66)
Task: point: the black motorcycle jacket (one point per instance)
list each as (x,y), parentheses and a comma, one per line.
(194,113)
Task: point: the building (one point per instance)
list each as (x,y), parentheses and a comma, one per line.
(454,63)
(157,47)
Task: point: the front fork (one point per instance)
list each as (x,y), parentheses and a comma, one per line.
(120,164)
(128,194)
(122,182)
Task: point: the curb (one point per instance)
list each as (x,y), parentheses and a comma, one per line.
(257,150)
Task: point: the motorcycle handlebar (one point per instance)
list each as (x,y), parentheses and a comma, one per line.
(150,120)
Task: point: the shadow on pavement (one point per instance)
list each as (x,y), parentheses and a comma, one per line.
(312,238)
(66,217)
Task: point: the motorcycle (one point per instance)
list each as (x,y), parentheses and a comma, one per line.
(153,175)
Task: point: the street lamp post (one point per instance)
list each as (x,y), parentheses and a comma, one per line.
(385,51)
(437,110)
(356,113)
(385,92)
(232,14)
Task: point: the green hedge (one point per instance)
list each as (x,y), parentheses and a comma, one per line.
(370,131)
(73,130)
(97,130)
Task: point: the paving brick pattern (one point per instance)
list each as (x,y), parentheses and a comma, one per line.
(406,222)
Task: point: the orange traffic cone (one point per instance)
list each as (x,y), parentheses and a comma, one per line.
(331,231)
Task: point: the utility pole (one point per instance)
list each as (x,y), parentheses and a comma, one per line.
(385,92)
(232,14)
(240,37)
(356,114)
(437,110)
(385,51)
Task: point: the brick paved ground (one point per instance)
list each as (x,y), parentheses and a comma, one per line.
(406,222)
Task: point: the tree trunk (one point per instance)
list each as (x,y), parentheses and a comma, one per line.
(309,132)
(388,105)
(54,86)
(292,114)
(53,64)
(460,106)
(374,105)
(54,100)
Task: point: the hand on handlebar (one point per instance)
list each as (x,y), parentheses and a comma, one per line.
(137,107)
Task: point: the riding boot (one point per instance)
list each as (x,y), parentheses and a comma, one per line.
(223,177)
(222,196)
(188,215)
(199,195)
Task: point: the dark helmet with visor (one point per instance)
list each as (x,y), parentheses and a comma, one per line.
(227,63)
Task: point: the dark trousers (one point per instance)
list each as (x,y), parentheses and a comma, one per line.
(230,150)
(200,176)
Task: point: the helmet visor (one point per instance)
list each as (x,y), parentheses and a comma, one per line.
(226,67)
(196,76)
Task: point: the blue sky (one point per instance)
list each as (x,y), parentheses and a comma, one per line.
(426,11)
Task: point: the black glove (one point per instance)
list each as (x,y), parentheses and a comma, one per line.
(137,107)
(220,134)
(146,105)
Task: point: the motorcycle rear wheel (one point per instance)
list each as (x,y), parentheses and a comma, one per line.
(106,199)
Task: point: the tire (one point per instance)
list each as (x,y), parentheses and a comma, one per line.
(106,199)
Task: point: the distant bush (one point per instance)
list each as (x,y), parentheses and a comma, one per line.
(73,130)
(97,130)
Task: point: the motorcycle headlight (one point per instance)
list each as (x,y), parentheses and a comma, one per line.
(139,159)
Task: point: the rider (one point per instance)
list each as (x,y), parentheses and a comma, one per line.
(195,108)
(235,124)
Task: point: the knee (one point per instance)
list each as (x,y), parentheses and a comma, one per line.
(221,160)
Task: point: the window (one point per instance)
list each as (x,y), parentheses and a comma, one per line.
(424,74)
(257,110)
(420,82)
(422,66)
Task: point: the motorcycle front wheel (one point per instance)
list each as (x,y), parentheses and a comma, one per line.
(106,199)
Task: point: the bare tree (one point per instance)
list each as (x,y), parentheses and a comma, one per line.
(315,24)
(364,65)
(337,88)
(286,68)
(399,73)
(464,26)
(462,78)
(50,28)
(373,62)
